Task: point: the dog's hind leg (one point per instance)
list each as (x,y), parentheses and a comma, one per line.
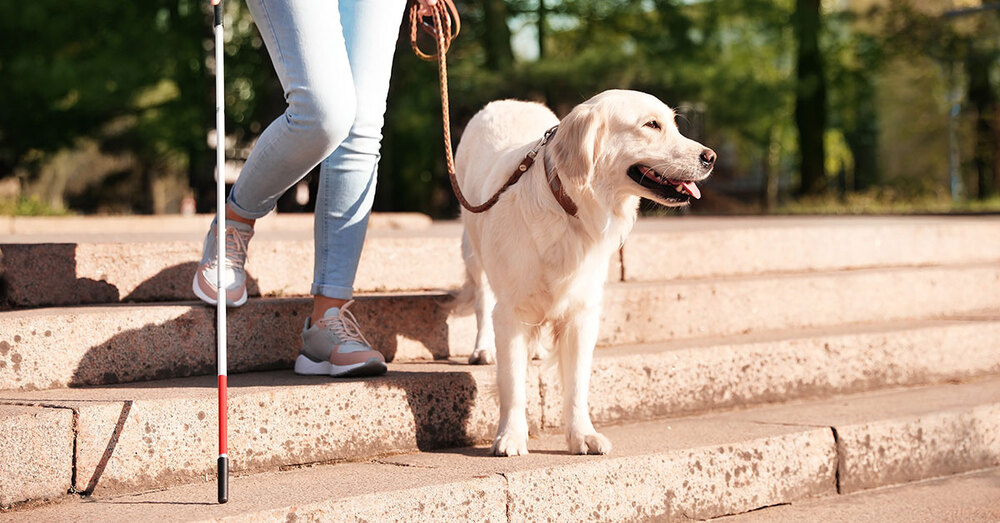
(512,370)
(484,353)
(576,337)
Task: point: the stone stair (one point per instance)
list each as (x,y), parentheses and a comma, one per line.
(674,469)
(960,498)
(818,356)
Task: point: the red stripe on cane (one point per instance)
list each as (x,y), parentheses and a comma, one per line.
(223,445)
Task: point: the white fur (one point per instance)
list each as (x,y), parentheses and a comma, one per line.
(544,267)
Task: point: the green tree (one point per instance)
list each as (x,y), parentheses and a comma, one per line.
(964,42)
(132,77)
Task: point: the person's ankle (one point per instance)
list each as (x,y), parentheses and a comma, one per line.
(232,216)
(321,304)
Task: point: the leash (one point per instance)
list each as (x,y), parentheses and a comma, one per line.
(444,27)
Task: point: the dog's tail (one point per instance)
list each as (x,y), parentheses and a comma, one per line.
(460,301)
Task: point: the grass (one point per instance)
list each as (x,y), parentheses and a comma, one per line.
(886,202)
(29,207)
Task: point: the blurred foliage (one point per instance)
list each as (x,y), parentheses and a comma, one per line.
(135,78)
(886,200)
(108,106)
(28,207)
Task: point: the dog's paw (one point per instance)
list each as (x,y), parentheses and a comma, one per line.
(510,444)
(483,357)
(589,444)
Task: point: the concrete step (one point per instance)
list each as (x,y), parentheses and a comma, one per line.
(963,498)
(47,229)
(155,433)
(706,247)
(279,264)
(674,470)
(131,267)
(163,341)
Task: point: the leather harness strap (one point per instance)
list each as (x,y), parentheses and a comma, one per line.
(551,176)
(555,184)
(446,26)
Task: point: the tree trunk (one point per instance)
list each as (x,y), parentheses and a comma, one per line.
(810,96)
(496,35)
(983,100)
(862,138)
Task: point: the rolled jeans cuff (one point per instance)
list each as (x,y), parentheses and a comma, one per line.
(243,213)
(332,291)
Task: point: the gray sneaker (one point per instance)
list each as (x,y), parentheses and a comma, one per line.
(205,284)
(335,346)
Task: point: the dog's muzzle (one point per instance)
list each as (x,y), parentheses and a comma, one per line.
(674,191)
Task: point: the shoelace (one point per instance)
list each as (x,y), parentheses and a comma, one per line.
(236,246)
(344,325)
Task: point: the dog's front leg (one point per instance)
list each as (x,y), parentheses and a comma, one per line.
(512,369)
(576,341)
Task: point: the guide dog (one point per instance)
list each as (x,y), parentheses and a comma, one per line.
(540,256)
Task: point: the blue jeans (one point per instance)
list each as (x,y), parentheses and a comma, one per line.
(334,59)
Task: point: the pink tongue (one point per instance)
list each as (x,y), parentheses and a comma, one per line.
(692,189)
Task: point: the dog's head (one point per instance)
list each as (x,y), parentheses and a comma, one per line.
(626,143)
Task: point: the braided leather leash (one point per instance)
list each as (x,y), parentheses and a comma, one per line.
(445,27)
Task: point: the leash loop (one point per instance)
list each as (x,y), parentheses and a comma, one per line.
(445,29)
(444,26)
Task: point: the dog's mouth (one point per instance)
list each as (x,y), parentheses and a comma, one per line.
(679,191)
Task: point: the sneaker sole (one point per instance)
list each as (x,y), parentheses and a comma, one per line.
(308,367)
(211,301)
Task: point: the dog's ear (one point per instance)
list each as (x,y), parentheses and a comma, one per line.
(577,144)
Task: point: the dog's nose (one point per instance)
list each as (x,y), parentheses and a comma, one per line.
(707,158)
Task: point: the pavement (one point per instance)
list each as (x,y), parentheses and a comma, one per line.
(963,498)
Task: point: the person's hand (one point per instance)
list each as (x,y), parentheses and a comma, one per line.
(426,7)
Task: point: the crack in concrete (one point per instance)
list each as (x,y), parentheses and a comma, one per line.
(399,464)
(751,511)
(309,464)
(838,456)
(510,495)
(780,424)
(33,403)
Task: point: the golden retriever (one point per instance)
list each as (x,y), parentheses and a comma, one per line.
(544,266)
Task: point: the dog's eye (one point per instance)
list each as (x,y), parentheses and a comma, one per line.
(652,124)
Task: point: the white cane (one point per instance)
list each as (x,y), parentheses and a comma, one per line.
(220,228)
